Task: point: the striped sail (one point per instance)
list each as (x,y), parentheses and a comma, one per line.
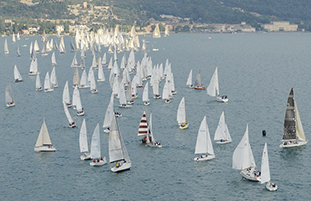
(143,126)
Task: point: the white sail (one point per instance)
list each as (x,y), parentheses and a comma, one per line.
(222,133)
(6,48)
(156,32)
(243,156)
(53,59)
(74,62)
(145,93)
(109,114)
(117,149)
(69,118)
(189,80)
(38,83)
(83,138)
(95,143)
(47,83)
(101,75)
(84,83)
(213,87)
(9,95)
(300,132)
(76,78)
(92,81)
(204,143)
(79,103)
(66,96)
(53,79)
(265,169)
(36,46)
(181,112)
(17,75)
(74,97)
(33,69)
(44,137)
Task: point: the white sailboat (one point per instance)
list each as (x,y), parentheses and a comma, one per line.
(122,98)
(61,47)
(265,171)
(66,96)
(44,143)
(150,141)
(198,84)
(33,68)
(74,62)
(213,88)
(166,32)
(156,32)
(118,154)
(76,78)
(166,93)
(53,59)
(6,48)
(72,124)
(145,95)
(222,135)
(18,51)
(92,81)
(47,83)
(79,107)
(108,116)
(13,38)
(96,150)
(84,83)
(243,159)
(9,95)
(38,83)
(204,144)
(101,75)
(293,134)
(53,79)
(17,75)
(181,114)
(189,80)
(84,147)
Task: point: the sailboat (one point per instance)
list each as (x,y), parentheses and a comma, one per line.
(243,159)
(74,62)
(9,95)
(166,93)
(204,144)
(145,95)
(61,47)
(44,143)
(76,78)
(38,83)
(53,79)
(17,75)
(166,32)
(84,148)
(118,154)
(222,135)
(101,75)
(265,171)
(72,124)
(122,98)
(213,88)
(143,128)
(181,114)
(33,68)
(293,134)
(66,96)
(150,141)
(6,48)
(78,103)
(47,83)
(108,116)
(96,150)
(53,59)
(18,51)
(189,80)
(198,84)
(156,32)
(92,81)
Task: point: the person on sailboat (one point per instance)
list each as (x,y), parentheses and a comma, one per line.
(144,140)
(73,123)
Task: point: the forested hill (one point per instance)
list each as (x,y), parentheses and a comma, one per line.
(204,11)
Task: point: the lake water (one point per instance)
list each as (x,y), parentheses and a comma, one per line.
(256,71)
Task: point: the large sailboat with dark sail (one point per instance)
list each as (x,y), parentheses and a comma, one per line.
(293,134)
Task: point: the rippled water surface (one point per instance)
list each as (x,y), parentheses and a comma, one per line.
(256,71)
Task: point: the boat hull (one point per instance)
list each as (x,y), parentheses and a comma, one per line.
(156,145)
(290,143)
(204,158)
(121,168)
(199,88)
(249,174)
(85,156)
(222,99)
(98,163)
(270,186)
(223,142)
(183,126)
(45,149)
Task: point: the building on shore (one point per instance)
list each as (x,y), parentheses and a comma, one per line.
(280,26)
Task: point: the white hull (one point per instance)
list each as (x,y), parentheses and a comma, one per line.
(167,101)
(18,80)
(10,104)
(48,90)
(288,144)
(98,163)
(183,126)
(147,103)
(223,141)
(249,174)
(39,89)
(45,149)
(32,73)
(204,158)
(106,130)
(223,99)
(80,113)
(270,186)
(72,125)
(86,156)
(157,144)
(121,167)
(125,106)
(94,91)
